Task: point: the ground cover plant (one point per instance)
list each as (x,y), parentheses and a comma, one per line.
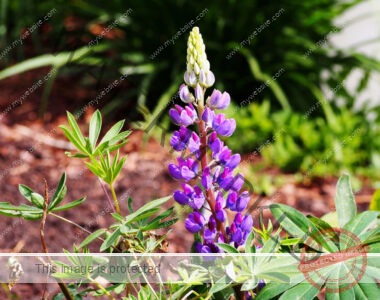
(235,260)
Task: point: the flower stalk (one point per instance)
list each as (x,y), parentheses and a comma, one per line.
(218,186)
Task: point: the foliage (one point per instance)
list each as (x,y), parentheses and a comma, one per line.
(310,146)
(151,41)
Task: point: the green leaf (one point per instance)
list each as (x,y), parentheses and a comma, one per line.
(375,202)
(110,240)
(69,205)
(368,290)
(227,248)
(59,193)
(268,247)
(220,284)
(37,200)
(92,237)
(113,132)
(130,205)
(117,217)
(300,291)
(95,127)
(119,167)
(270,291)
(250,284)
(359,225)
(74,140)
(75,128)
(345,201)
(152,204)
(26,192)
(22,207)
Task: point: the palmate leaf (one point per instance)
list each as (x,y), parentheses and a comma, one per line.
(295,223)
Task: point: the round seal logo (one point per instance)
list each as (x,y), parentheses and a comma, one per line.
(338,271)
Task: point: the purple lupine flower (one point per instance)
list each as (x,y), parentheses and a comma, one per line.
(223,126)
(185,170)
(197,198)
(206,179)
(221,214)
(218,100)
(180,139)
(247,223)
(195,222)
(185,94)
(194,143)
(208,117)
(198,92)
(215,144)
(214,178)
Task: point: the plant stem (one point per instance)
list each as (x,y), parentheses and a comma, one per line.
(61,284)
(115,199)
(78,226)
(105,192)
(102,288)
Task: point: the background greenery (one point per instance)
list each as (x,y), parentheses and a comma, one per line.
(225,25)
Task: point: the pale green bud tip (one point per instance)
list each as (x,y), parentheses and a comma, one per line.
(198,66)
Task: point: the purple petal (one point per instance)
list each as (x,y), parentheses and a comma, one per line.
(242,202)
(175,171)
(209,235)
(227,127)
(192,79)
(198,92)
(247,223)
(224,101)
(187,189)
(187,174)
(234,161)
(221,215)
(231,200)
(199,218)
(186,77)
(207,115)
(210,78)
(191,226)
(181,198)
(214,99)
(206,179)
(174,115)
(238,219)
(238,236)
(186,120)
(185,94)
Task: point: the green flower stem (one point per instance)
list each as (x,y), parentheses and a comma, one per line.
(115,199)
(100,287)
(105,192)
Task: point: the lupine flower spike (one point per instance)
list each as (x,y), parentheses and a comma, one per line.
(218,189)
